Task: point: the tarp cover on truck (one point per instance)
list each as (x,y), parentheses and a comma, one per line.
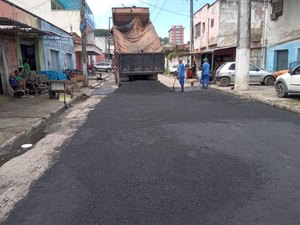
(135,38)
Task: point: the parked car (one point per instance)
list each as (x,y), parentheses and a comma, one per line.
(103,66)
(226,72)
(211,75)
(173,68)
(292,65)
(288,83)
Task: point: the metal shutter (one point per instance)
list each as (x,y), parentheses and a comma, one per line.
(282,60)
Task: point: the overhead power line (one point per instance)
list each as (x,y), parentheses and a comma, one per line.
(177,13)
(160,10)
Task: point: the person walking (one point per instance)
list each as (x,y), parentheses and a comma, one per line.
(205,74)
(181,72)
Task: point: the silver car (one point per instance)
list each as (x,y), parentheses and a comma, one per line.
(226,72)
(103,66)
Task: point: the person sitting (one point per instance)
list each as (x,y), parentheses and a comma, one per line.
(18,77)
(15,85)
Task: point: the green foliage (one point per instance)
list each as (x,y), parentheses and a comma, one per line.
(101,32)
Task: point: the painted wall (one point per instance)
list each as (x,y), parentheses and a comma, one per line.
(8,60)
(68,20)
(286,27)
(63,45)
(7,10)
(225,15)
(228,23)
(293,53)
(210,35)
(283,34)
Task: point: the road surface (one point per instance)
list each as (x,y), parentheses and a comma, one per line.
(149,156)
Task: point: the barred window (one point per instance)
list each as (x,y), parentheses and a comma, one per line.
(277,9)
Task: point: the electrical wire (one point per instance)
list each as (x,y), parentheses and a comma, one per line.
(177,13)
(160,10)
(155,6)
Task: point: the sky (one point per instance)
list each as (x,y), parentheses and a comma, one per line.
(163,13)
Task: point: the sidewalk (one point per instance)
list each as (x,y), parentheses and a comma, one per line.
(262,93)
(19,116)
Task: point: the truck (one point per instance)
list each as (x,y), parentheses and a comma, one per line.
(138,51)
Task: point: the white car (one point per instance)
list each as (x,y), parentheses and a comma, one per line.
(103,66)
(288,83)
(173,68)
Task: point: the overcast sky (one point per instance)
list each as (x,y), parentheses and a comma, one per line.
(163,13)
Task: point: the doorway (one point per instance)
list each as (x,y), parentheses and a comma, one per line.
(28,52)
(54,60)
(282,60)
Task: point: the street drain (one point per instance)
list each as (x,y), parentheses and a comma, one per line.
(16,149)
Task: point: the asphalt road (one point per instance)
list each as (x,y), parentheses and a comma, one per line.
(148,156)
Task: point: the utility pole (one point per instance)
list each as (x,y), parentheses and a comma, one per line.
(83,41)
(108,36)
(243,45)
(191,30)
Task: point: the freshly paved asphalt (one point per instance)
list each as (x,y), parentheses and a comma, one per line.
(149,156)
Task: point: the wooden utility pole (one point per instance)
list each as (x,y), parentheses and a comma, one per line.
(243,45)
(83,41)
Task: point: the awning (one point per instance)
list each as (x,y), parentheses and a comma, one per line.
(213,50)
(12,27)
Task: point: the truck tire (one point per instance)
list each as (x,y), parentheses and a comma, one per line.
(118,80)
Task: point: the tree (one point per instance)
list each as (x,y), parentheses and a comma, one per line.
(164,40)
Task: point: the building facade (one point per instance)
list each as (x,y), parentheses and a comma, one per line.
(282,34)
(176,35)
(215,35)
(66,15)
(25,36)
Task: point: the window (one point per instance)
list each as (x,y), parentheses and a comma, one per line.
(203,27)
(212,23)
(253,68)
(277,9)
(232,67)
(198,30)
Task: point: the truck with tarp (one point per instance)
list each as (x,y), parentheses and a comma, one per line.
(138,50)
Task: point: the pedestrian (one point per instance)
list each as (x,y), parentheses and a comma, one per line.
(194,69)
(26,66)
(181,72)
(205,74)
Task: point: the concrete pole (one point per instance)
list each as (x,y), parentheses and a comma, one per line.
(192,30)
(108,36)
(243,45)
(83,42)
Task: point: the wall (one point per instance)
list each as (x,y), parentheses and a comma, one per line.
(62,44)
(283,34)
(294,53)
(286,27)
(228,23)
(12,12)
(210,35)
(8,60)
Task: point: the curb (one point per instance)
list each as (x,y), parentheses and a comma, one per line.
(267,102)
(8,146)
